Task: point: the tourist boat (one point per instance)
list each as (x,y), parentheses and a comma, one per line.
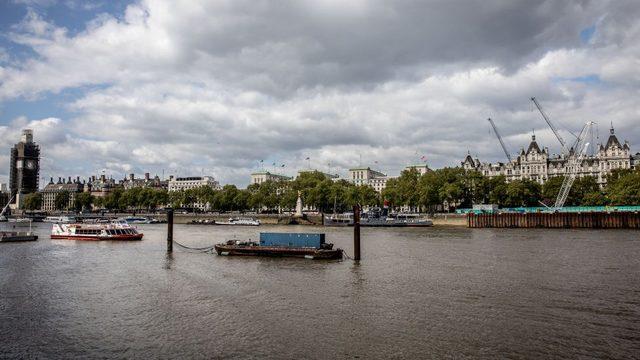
(15,236)
(140,220)
(20,221)
(59,219)
(116,230)
(308,246)
(240,221)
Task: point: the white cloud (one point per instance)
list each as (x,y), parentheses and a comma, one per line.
(220,85)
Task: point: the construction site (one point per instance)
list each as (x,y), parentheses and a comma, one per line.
(575,160)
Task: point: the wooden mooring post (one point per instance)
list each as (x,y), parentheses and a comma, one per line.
(170,230)
(356,232)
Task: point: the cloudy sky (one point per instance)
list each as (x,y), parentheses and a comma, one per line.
(213,87)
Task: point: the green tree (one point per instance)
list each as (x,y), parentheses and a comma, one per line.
(523,193)
(83,201)
(624,188)
(33,201)
(61,201)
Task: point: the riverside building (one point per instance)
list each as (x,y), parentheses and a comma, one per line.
(263,176)
(51,191)
(146,182)
(193,182)
(538,165)
(368,176)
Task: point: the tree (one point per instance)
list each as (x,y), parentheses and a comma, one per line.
(33,201)
(61,201)
(581,187)
(83,201)
(625,189)
(523,193)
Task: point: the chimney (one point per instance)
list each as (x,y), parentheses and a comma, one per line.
(131,177)
(103,178)
(93,178)
(78,179)
(51,180)
(146,176)
(69,182)
(59,180)
(170,177)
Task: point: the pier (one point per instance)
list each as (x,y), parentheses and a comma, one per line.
(589,220)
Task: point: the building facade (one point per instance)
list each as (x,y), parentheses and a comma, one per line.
(186,183)
(538,165)
(420,168)
(369,177)
(262,176)
(52,190)
(24,172)
(146,182)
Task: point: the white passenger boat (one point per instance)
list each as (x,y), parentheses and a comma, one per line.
(59,219)
(240,221)
(116,230)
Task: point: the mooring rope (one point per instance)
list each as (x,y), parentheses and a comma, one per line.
(201,249)
(346,255)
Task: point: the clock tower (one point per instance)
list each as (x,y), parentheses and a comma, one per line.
(25,166)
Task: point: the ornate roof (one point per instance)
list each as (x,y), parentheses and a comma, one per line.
(613,140)
(533,145)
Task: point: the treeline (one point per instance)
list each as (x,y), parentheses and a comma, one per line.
(455,187)
(442,189)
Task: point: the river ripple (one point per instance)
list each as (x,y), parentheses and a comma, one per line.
(418,293)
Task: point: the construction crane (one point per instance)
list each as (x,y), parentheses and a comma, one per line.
(574,163)
(565,149)
(495,130)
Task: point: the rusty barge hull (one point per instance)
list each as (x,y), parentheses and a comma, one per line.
(278,251)
(559,220)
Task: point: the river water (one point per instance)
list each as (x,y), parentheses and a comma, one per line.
(417,293)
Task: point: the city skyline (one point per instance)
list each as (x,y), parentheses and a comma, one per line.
(123,86)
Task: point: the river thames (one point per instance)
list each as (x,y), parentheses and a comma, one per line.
(417,293)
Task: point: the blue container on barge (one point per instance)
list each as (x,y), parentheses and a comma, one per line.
(302,240)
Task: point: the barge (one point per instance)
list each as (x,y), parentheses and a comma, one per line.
(304,245)
(16,236)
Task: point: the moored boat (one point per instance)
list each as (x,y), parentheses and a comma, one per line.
(379,218)
(309,246)
(116,230)
(240,221)
(15,236)
(59,219)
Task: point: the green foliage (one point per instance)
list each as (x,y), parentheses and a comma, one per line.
(61,201)
(83,201)
(584,191)
(624,188)
(523,193)
(33,201)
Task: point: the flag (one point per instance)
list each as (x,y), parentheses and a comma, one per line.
(261,161)
(307,158)
(423,157)
(282,165)
(274,164)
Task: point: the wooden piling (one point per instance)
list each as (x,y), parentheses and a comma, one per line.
(559,220)
(356,232)
(170,230)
